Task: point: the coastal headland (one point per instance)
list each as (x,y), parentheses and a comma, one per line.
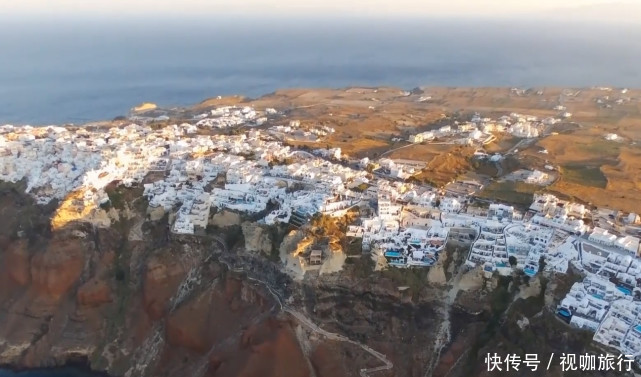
(318,232)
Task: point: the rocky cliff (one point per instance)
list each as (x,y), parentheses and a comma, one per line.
(132,300)
(155,306)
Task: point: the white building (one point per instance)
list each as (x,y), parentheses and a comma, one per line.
(449,204)
(387,209)
(421,137)
(500,212)
(524,129)
(602,236)
(628,244)
(536,177)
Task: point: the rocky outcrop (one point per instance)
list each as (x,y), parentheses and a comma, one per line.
(225,218)
(145,106)
(257,238)
(295,243)
(73,208)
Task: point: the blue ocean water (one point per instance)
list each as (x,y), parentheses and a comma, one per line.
(83,70)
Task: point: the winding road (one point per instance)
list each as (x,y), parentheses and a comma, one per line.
(305,321)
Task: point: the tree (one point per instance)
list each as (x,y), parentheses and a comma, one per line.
(512,260)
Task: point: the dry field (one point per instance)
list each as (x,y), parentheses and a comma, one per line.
(422,152)
(447,166)
(502,144)
(597,171)
(366,119)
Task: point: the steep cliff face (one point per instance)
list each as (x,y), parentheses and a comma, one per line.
(131,308)
(154,305)
(270,344)
(374,313)
(138,311)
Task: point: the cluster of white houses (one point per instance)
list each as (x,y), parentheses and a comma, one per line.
(295,131)
(411,230)
(188,173)
(480,130)
(608,300)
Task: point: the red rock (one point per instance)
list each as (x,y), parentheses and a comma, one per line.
(94,293)
(163,275)
(327,362)
(232,288)
(269,349)
(16,263)
(56,270)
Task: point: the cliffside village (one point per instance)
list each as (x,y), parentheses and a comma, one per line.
(187,172)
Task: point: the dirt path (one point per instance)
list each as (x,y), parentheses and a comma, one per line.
(305,321)
(395,149)
(412,144)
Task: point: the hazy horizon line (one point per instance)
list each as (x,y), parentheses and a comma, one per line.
(80,18)
(385,8)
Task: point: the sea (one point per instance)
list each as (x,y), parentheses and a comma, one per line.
(82,70)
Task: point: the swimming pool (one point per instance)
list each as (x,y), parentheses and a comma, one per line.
(625,290)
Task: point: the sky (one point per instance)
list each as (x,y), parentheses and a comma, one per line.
(387,8)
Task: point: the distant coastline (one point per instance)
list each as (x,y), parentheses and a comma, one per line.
(62,76)
(147,107)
